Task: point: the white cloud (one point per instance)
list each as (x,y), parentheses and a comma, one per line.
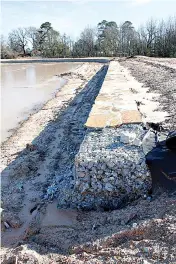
(142,1)
(81,2)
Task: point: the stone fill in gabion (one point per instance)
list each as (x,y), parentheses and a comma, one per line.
(111,161)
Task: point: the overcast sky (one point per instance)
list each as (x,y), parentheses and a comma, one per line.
(71,17)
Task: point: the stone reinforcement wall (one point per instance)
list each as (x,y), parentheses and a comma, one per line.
(111,162)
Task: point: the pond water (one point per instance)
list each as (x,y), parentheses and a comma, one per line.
(25,87)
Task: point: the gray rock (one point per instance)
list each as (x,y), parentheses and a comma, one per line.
(105,179)
(110,164)
(127,137)
(94,169)
(125,172)
(77,183)
(148,142)
(90,165)
(145,262)
(100,187)
(6,225)
(85,187)
(109,187)
(81,174)
(103,166)
(134,225)
(111,178)
(137,142)
(114,174)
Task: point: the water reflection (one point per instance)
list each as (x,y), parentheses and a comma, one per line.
(31,75)
(41,82)
(8,79)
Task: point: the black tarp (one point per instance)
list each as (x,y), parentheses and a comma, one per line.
(162,164)
(171,141)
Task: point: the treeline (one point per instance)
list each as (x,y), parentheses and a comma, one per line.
(155,38)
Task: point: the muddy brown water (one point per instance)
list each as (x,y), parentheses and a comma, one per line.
(53,217)
(25,87)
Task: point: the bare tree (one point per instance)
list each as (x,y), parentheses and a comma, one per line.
(154,38)
(18,40)
(148,34)
(32,36)
(85,45)
(88,39)
(170,37)
(3,47)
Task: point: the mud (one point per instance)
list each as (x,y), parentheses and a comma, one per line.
(58,217)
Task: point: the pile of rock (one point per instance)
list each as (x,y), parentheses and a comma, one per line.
(111,161)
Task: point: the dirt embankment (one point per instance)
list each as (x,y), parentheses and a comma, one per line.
(143,232)
(40,155)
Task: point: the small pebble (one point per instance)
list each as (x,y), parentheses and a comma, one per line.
(134,224)
(149,198)
(6,225)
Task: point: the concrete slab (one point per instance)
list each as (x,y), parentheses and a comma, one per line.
(105,119)
(130,116)
(115,103)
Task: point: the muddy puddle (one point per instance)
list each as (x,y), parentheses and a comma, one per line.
(59,217)
(52,217)
(25,88)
